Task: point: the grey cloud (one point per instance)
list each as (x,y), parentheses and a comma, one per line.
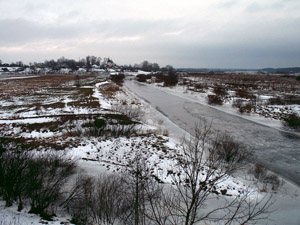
(242,55)
(240,39)
(142,27)
(23,31)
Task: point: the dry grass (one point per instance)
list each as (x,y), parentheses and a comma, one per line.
(55,96)
(249,93)
(262,83)
(110,90)
(20,87)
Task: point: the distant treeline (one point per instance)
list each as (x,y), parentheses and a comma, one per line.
(282,70)
(286,70)
(89,62)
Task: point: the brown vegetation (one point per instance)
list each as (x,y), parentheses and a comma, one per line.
(19,87)
(254,83)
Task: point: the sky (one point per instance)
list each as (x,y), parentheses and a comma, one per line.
(190,33)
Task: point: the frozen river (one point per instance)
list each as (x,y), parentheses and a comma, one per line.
(277,150)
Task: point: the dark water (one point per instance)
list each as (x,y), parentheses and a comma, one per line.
(277,150)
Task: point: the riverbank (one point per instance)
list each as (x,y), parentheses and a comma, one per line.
(286,199)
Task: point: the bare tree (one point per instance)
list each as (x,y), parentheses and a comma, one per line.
(80,199)
(205,162)
(112,204)
(100,201)
(137,181)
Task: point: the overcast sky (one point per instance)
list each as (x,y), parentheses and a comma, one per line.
(190,33)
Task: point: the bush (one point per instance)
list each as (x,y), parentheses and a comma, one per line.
(14,170)
(39,179)
(101,201)
(292,121)
(46,179)
(118,79)
(265,177)
(220,91)
(214,100)
(133,112)
(79,200)
(143,78)
(171,79)
(286,100)
(229,151)
(298,78)
(114,125)
(276,101)
(246,108)
(259,172)
(199,87)
(241,93)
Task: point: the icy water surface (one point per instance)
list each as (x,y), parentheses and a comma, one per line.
(277,150)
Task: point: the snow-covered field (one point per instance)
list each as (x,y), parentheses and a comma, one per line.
(59,118)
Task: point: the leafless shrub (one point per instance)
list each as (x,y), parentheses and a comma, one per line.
(131,111)
(200,87)
(214,100)
(14,169)
(143,77)
(292,121)
(247,108)
(101,201)
(286,100)
(137,199)
(259,172)
(276,101)
(110,90)
(143,190)
(228,150)
(95,127)
(47,176)
(220,91)
(265,177)
(171,79)
(112,202)
(114,125)
(38,179)
(274,181)
(242,93)
(80,199)
(118,79)
(166,133)
(202,166)
(118,130)
(113,130)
